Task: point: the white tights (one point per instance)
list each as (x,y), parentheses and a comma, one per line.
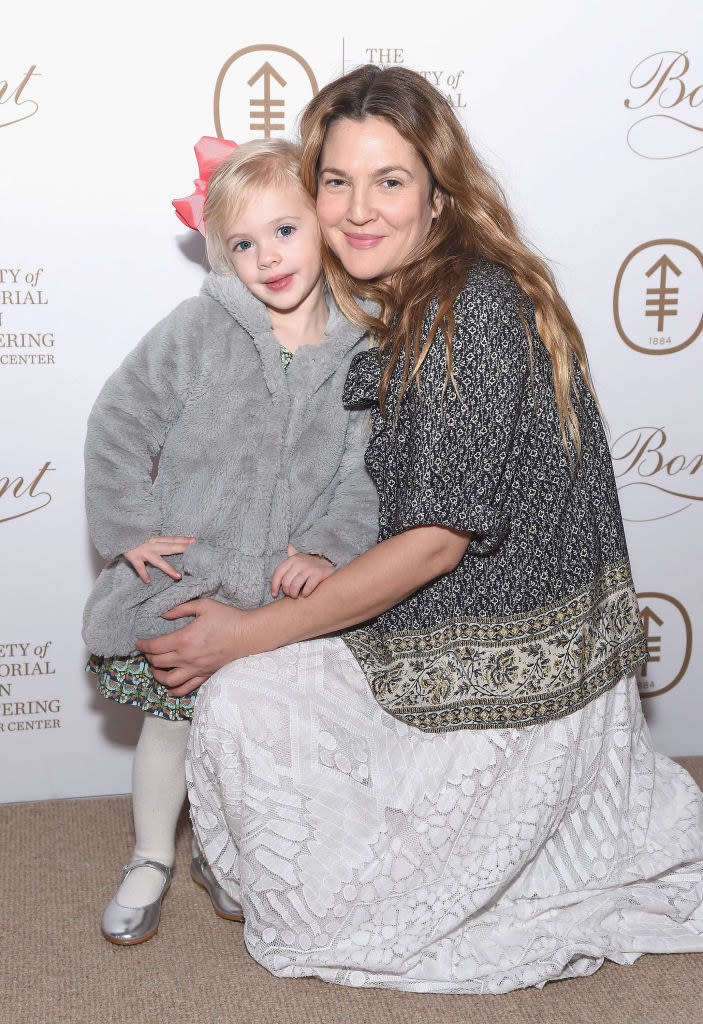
(158,792)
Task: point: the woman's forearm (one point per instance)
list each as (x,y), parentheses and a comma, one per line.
(372,583)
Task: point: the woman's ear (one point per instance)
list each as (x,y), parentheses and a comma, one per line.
(437,203)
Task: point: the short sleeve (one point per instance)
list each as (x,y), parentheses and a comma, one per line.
(363,380)
(464,444)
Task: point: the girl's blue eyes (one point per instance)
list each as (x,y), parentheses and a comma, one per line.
(285,231)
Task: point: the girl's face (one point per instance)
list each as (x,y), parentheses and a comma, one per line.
(273,244)
(373,200)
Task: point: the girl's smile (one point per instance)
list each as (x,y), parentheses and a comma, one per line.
(279,283)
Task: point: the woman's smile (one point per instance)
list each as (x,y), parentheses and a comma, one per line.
(358,241)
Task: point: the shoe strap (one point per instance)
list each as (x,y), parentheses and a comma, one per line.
(143,862)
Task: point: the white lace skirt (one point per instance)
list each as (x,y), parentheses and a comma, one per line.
(368,853)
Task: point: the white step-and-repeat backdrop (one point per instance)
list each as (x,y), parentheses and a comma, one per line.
(590,113)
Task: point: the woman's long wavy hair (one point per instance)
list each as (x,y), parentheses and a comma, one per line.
(474,222)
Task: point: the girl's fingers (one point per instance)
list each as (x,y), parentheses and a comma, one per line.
(277,579)
(161,563)
(139,567)
(288,580)
(296,583)
(310,585)
(172,545)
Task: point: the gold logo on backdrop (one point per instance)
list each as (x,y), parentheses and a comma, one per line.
(19,498)
(643,458)
(261,89)
(658,296)
(667,627)
(673,123)
(14,106)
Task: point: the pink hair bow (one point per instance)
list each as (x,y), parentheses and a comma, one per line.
(209,153)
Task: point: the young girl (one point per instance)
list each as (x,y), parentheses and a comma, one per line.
(261,485)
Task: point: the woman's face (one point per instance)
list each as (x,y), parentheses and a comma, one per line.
(373,200)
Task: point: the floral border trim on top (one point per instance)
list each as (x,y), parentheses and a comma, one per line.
(504,673)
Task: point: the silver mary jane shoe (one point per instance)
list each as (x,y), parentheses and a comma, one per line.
(223,905)
(126,926)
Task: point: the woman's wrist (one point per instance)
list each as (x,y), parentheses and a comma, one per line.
(266,628)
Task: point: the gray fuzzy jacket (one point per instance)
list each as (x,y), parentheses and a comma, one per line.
(251,456)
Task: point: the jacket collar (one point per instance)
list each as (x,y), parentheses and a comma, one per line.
(312,363)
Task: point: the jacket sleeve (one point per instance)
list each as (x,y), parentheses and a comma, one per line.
(126,431)
(350,525)
(468,443)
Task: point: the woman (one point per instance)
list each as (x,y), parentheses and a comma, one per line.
(369,799)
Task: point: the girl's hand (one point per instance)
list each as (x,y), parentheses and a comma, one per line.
(299,574)
(151,552)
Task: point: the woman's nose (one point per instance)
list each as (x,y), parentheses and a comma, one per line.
(360,209)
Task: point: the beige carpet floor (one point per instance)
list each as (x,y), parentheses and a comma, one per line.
(59,866)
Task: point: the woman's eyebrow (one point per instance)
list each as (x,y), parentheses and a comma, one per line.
(391,170)
(374,174)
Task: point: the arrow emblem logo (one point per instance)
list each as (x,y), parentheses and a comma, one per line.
(263,116)
(663,299)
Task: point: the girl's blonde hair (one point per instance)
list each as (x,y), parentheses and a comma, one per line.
(474,221)
(270,163)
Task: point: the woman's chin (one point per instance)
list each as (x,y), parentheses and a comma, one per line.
(363,269)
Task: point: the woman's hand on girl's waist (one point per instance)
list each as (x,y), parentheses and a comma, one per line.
(184,659)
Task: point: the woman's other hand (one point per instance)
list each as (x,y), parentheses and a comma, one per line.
(184,659)
(152,552)
(299,574)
